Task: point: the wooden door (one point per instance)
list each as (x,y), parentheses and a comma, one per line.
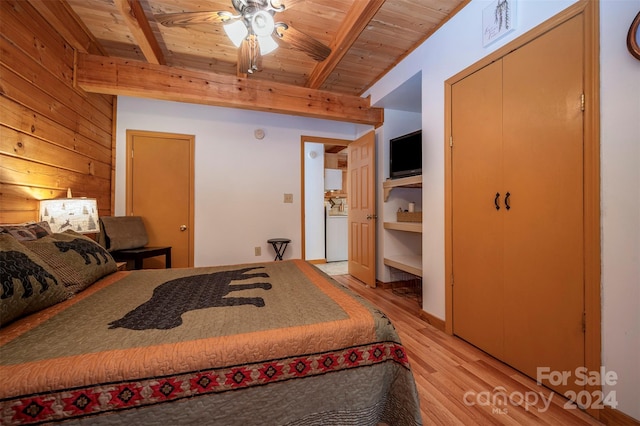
(362,209)
(523,265)
(543,156)
(476,165)
(160,189)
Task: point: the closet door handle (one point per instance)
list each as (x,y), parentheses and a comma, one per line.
(506,200)
(496,200)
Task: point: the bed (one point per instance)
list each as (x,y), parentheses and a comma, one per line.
(277,343)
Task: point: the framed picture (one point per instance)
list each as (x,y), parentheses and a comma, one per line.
(498,19)
(633,38)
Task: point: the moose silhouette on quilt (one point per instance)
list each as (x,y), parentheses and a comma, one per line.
(173,298)
(83,248)
(19,266)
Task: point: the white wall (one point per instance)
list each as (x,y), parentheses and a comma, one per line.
(314,201)
(620,201)
(620,161)
(240,181)
(396,123)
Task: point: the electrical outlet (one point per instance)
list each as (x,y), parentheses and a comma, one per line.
(258,251)
(288,198)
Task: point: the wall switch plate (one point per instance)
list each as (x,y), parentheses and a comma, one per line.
(258,251)
(288,198)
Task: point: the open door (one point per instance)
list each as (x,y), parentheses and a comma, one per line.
(362,209)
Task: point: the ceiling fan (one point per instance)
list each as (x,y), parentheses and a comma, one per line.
(253,30)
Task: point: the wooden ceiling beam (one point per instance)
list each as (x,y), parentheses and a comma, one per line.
(357,19)
(133,15)
(114,76)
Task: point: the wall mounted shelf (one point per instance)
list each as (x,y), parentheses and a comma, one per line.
(404,226)
(405,182)
(407,263)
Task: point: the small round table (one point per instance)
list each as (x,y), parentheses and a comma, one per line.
(279,245)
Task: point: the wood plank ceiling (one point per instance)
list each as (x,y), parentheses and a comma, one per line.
(367,38)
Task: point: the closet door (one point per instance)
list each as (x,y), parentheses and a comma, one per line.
(543,229)
(476,208)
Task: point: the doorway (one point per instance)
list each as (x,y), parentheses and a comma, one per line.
(160,189)
(319,154)
(359,186)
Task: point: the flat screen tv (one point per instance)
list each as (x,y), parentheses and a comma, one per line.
(405,155)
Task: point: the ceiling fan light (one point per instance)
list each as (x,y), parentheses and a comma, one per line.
(267,45)
(262,23)
(236,31)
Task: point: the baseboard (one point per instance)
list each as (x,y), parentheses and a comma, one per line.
(423,315)
(434,321)
(611,416)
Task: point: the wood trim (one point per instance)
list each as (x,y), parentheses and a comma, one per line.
(433,320)
(591,163)
(592,214)
(611,416)
(113,156)
(115,76)
(448,198)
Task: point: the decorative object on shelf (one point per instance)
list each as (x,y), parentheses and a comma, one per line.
(498,19)
(409,216)
(633,37)
(253,31)
(77,214)
(412,207)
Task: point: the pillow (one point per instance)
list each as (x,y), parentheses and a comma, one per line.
(27,231)
(78,260)
(122,232)
(28,283)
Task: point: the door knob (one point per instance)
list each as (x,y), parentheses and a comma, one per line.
(183,228)
(372,216)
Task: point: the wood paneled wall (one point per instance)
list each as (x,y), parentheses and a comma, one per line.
(53,136)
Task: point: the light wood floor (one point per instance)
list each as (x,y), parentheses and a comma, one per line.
(451,375)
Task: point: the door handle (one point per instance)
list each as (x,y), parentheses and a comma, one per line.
(496,201)
(506,200)
(183,228)
(372,216)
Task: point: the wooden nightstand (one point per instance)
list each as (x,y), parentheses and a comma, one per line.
(121,266)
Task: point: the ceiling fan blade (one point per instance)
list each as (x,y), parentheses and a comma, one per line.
(182,19)
(300,41)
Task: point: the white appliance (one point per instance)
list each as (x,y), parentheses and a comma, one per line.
(332,179)
(336,235)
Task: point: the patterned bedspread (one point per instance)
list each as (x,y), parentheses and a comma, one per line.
(270,343)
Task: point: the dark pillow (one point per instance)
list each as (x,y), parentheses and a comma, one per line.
(78,260)
(28,283)
(122,232)
(27,231)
